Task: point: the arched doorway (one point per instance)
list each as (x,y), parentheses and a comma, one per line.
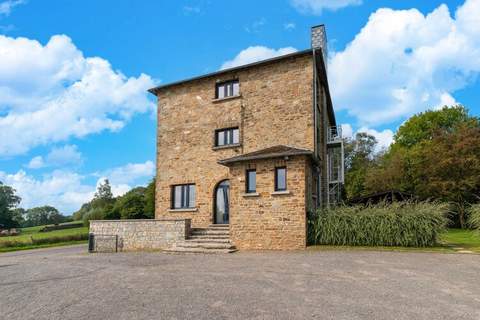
(222,203)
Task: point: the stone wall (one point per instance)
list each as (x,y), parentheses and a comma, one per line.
(134,235)
(274,107)
(269,220)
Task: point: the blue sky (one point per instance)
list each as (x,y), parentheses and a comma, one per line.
(74,74)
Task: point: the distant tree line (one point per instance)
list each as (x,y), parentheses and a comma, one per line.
(11,216)
(138,203)
(435,155)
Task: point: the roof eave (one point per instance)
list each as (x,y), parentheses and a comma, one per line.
(245,66)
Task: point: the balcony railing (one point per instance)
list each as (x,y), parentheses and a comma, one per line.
(334,134)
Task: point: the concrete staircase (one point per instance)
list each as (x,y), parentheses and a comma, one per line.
(214,239)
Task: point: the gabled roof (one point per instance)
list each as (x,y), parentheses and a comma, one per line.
(245,66)
(278,151)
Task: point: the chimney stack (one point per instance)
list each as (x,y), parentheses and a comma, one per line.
(319,40)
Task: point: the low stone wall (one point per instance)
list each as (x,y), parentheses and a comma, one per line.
(131,235)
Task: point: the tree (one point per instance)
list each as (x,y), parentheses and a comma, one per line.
(359,156)
(132,204)
(451,169)
(150,199)
(425,125)
(103,202)
(8,202)
(43,215)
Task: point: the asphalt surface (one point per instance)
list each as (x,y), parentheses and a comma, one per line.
(68,283)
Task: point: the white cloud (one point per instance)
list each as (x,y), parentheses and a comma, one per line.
(188,10)
(254,54)
(255,26)
(403,62)
(129,173)
(67,190)
(384,137)
(51,92)
(7,6)
(57,157)
(316,7)
(289,26)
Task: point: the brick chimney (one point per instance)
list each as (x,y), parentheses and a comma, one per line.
(319,40)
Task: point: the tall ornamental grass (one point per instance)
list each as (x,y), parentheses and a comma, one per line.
(405,224)
(474,216)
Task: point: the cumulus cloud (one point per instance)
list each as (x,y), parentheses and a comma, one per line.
(7,6)
(68,190)
(49,93)
(384,137)
(254,54)
(57,157)
(316,7)
(403,62)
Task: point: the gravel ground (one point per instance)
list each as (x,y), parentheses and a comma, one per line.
(68,283)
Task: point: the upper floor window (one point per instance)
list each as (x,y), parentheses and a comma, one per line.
(251,181)
(281,179)
(227,89)
(183,196)
(224,137)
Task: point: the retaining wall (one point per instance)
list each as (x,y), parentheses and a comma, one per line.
(131,235)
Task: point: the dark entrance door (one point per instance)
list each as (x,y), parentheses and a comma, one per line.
(222,201)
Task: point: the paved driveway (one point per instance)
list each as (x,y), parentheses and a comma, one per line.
(68,283)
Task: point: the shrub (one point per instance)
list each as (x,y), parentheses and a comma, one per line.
(405,224)
(38,241)
(474,216)
(93,214)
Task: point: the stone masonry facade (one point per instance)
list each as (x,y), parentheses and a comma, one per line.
(132,235)
(275,106)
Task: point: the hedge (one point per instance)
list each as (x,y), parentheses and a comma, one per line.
(40,241)
(404,224)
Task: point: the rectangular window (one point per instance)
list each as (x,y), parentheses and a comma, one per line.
(280,179)
(227,89)
(224,137)
(251,181)
(183,196)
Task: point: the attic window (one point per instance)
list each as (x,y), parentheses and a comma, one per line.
(227,89)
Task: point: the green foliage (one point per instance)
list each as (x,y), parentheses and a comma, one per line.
(425,125)
(43,215)
(398,224)
(474,216)
(132,204)
(150,199)
(8,202)
(93,214)
(359,156)
(104,191)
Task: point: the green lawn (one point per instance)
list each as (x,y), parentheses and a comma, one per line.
(31,238)
(458,239)
(451,241)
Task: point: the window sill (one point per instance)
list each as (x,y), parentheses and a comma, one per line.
(227,98)
(227,146)
(279,193)
(251,195)
(183,210)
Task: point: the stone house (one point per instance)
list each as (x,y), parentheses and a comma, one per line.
(246,152)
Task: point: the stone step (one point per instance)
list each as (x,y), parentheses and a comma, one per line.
(210,232)
(199,250)
(206,236)
(205,245)
(219,226)
(209,239)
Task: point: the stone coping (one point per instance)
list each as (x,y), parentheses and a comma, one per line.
(141,220)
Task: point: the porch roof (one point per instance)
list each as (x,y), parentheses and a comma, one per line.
(278,151)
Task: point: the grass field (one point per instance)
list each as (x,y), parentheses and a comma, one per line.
(31,238)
